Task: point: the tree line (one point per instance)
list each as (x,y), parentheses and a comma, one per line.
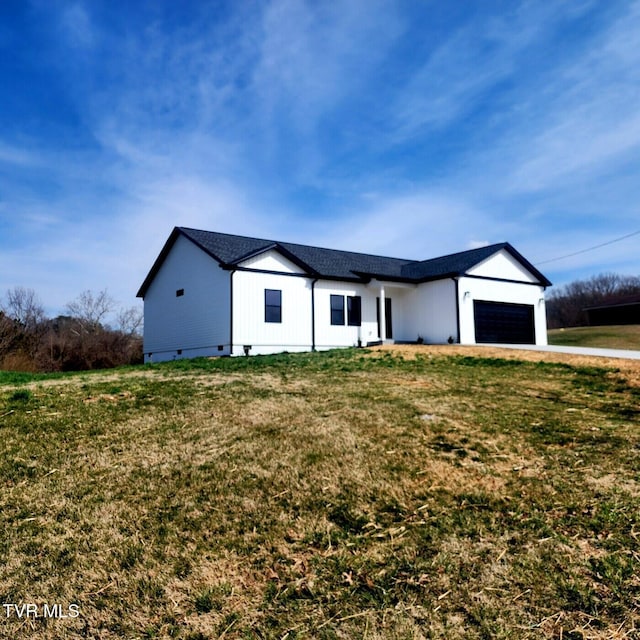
(79,339)
(566,305)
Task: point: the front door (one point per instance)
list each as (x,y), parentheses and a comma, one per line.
(387,313)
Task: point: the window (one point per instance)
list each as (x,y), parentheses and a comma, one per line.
(337,309)
(272,305)
(179,293)
(354,311)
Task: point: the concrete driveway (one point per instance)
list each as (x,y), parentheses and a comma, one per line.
(579,351)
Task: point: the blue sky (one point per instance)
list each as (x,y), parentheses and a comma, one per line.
(407,128)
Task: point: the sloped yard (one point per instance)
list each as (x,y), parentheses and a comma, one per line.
(606,337)
(406,493)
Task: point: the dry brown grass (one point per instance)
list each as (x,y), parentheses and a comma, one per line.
(629,369)
(407,493)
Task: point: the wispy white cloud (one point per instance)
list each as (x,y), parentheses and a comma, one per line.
(471,61)
(420,225)
(18,156)
(61,255)
(77,27)
(312,56)
(592,120)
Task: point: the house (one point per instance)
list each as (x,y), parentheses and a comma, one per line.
(615,310)
(219,294)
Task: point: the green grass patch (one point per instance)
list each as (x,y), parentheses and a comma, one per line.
(605,337)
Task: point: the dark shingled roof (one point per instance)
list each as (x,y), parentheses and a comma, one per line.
(230,250)
(452,264)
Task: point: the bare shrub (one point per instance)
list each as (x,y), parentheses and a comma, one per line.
(19,361)
(29,341)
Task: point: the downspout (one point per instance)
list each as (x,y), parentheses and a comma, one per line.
(457,306)
(313,315)
(231,312)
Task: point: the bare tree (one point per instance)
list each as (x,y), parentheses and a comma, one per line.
(8,335)
(129,321)
(21,325)
(85,340)
(90,309)
(24,306)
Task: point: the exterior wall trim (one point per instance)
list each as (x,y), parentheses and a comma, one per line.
(457,294)
(313,314)
(270,272)
(355,279)
(231,313)
(531,284)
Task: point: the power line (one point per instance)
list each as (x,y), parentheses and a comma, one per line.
(604,244)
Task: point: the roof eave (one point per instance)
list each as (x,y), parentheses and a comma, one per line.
(355,278)
(367,277)
(144,287)
(440,276)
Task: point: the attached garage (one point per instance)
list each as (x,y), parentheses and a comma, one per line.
(504,323)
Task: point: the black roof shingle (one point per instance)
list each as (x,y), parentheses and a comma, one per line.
(230,250)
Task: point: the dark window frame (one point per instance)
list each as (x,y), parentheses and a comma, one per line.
(272,311)
(354,311)
(337,310)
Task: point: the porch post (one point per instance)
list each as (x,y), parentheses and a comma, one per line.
(383,315)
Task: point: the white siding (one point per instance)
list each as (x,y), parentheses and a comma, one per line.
(249,325)
(406,302)
(431,312)
(295,331)
(195,323)
(502,265)
(271,260)
(329,336)
(401,321)
(471,289)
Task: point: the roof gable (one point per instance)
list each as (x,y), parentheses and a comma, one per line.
(504,266)
(450,265)
(458,264)
(273,259)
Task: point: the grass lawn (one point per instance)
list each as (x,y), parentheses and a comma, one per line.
(606,337)
(344,494)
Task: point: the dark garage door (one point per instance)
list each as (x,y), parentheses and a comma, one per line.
(504,323)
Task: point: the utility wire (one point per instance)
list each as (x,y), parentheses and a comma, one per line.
(604,244)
